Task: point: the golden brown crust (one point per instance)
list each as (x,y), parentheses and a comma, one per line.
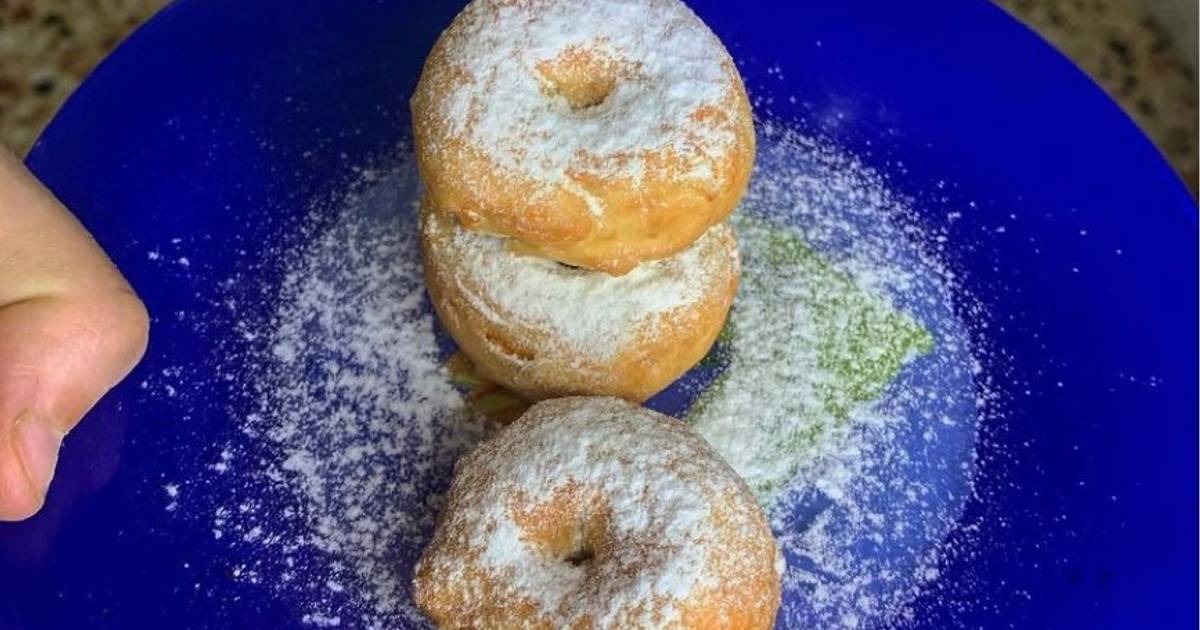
(536,362)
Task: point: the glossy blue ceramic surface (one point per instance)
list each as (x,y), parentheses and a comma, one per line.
(218,113)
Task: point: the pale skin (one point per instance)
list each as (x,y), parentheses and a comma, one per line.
(70,329)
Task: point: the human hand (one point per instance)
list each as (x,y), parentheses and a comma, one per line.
(70,329)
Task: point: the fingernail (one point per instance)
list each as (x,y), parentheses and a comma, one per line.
(38,445)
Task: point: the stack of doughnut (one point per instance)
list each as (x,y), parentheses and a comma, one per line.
(580,159)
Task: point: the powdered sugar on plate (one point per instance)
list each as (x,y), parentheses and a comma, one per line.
(358,420)
(332,489)
(849,401)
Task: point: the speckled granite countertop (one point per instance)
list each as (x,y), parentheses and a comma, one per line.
(48,46)
(1128,53)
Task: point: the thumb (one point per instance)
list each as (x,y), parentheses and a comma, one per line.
(58,356)
(70,328)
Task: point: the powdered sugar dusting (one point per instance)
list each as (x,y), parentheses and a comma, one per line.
(358,419)
(330,493)
(670,66)
(593,313)
(657,487)
(849,402)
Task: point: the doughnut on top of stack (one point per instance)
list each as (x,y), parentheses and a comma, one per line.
(598,133)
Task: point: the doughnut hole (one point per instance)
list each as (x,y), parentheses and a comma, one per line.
(569,528)
(584,77)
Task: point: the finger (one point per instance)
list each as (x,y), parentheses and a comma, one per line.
(70,329)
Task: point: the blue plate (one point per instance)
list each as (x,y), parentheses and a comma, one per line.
(217,125)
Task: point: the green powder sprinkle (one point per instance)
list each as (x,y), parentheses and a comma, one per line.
(807,345)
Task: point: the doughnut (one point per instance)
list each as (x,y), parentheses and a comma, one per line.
(598,133)
(592,512)
(544,330)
